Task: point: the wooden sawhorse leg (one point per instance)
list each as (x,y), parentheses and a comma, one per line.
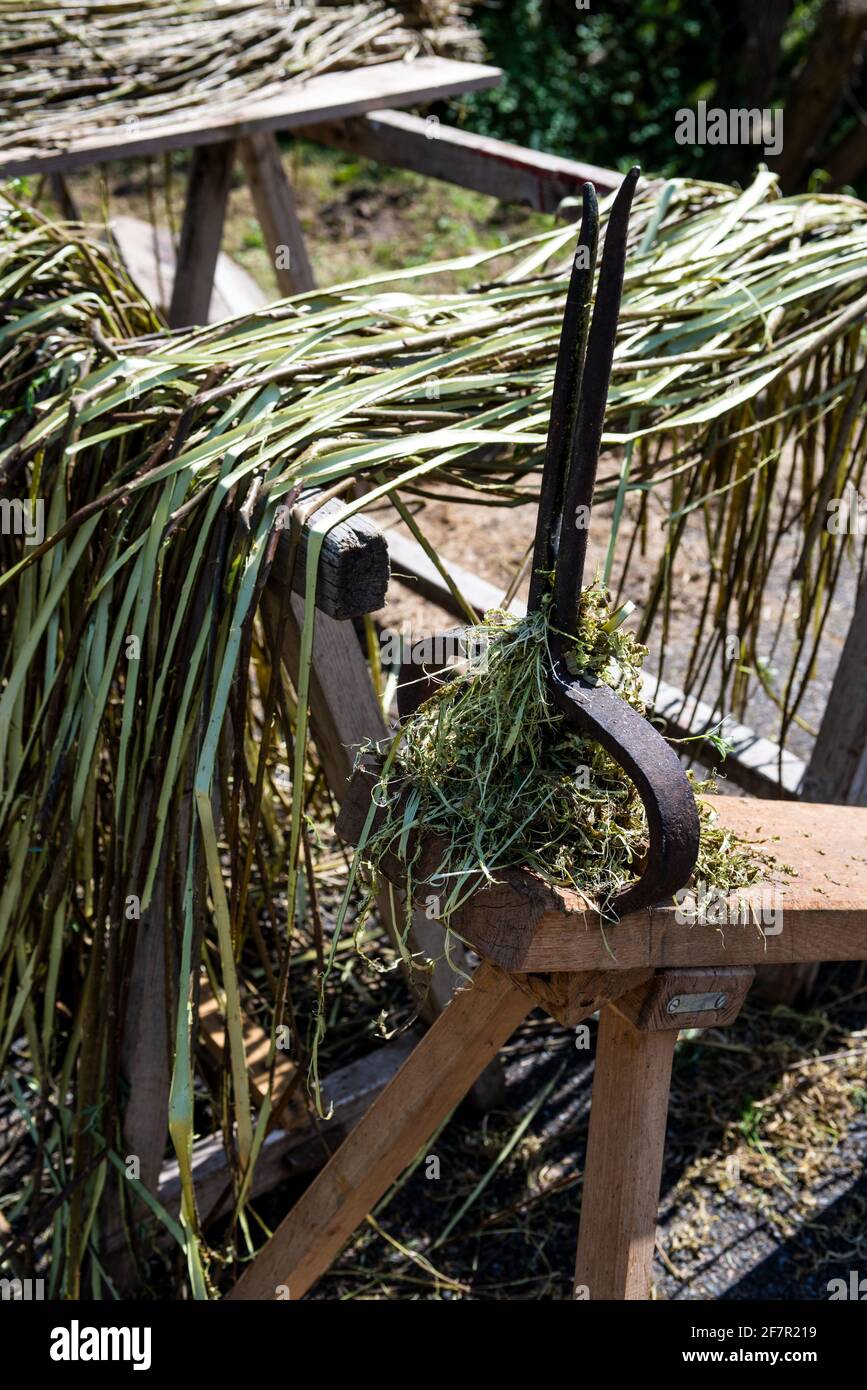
(431,1082)
(205,213)
(275,206)
(623,1169)
(628,1115)
(437,1074)
(201,233)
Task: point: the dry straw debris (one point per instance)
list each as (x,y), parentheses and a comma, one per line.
(489,764)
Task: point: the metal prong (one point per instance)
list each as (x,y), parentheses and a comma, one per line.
(587,434)
(565,396)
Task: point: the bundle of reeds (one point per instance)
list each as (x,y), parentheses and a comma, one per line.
(71,68)
(132,720)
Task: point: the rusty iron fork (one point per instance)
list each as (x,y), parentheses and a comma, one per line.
(578,403)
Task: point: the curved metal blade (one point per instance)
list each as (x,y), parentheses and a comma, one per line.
(653,766)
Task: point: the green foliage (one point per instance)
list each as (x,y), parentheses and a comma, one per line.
(603,84)
(599,84)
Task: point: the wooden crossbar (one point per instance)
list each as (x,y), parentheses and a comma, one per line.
(502,170)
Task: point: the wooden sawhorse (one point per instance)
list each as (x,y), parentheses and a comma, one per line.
(540,948)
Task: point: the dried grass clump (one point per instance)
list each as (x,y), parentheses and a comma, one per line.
(489,764)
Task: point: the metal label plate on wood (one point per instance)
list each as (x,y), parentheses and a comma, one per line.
(703,997)
(697,1003)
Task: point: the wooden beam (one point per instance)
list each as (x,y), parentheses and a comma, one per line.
(569,997)
(201,234)
(431,1082)
(344,710)
(354,570)
(623,1169)
(838,766)
(524,923)
(62,195)
(820,914)
(145,1062)
(508,172)
(330,96)
(275,208)
(146,1047)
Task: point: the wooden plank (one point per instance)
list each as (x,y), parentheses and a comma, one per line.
(838,766)
(439,1071)
(202,231)
(146,1069)
(524,923)
(623,1169)
(344,709)
(275,208)
(150,260)
(820,914)
(146,1047)
(837,771)
(502,170)
(328,97)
